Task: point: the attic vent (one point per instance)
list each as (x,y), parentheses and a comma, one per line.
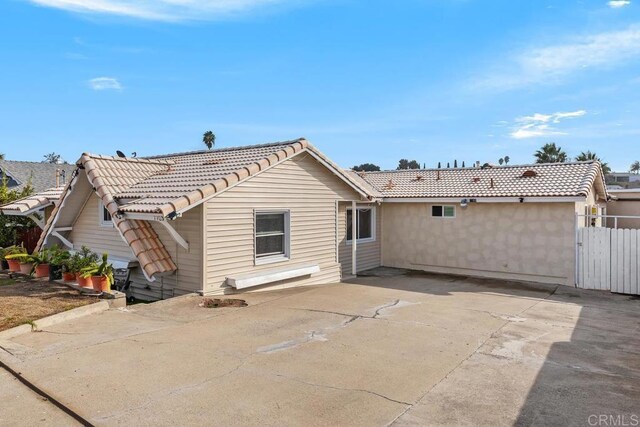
(389,185)
(419,178)
(529,174)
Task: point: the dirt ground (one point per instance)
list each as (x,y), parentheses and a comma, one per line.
(23,300)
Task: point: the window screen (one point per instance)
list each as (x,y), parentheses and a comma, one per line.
(443,211)
(270,234)
(364,224)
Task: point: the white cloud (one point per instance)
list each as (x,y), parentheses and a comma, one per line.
(616,4)
(538,125)
(163,10)
(105,83)
(551,63)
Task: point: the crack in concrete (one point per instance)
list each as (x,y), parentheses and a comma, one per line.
(343,389)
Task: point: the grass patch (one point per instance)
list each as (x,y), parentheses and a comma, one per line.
(4,282)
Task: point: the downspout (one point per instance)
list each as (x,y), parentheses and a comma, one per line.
(354,238)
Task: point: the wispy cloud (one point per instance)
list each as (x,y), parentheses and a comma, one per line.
(551,63)
(105,83)
(161,10)
(538,125)
(616,4)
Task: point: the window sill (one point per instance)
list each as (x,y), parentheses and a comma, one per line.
(271,259)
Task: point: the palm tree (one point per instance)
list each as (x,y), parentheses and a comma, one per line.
(550,153)
(635,167)
(506,160)
(588,155)
(209,139)
(1,156)
(501,161)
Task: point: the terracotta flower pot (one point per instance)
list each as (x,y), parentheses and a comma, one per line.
(84,282)
(67,276)
(100,283)
(42,270)
(25,268)
(14,265)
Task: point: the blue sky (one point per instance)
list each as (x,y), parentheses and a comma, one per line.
(365,81)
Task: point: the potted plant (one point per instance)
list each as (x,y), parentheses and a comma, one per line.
(69,268)
(85,259)
(101,274)
(58,258)
(41,263)
(14,262)
(26,262)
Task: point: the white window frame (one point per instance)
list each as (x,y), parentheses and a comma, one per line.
(443,216)
(373,225)
(287,237)
(101,220)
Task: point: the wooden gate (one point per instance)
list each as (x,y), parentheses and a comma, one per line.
(609,259)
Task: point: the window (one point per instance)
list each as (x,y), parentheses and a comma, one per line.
(365,224)
(443,211)
(104,216)
(271,236)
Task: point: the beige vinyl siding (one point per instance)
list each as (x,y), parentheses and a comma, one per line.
(88,232)
(522,241)
(188,278)
(303,186)
(368,253)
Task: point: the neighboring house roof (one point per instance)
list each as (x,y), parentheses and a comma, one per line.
(537,180)
(33,203)
(134,190)
(41,176)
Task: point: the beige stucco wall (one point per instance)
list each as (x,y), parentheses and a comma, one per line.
(301,185)
(624,206)
(368,254)
(528,241)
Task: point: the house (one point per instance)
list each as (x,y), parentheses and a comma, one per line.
(507,222)
(211,221)
(41,176)
(625,203)
(623,179)
(282,214)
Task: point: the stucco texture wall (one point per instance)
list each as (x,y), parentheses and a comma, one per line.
(628,204)
(528,241)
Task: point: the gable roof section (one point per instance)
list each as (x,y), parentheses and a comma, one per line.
(133,190)
(42,176)
(33,203)
(181,181)
(550,180)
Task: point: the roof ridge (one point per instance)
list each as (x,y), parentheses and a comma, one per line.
(128,159)
(480,168)
(219,150)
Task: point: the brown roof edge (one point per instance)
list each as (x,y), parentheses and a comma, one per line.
(153,257)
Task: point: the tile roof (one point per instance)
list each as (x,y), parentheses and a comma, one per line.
(550,180)
(34,202)
(163,185)
(42,176)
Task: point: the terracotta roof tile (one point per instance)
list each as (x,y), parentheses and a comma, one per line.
(550,180)
(34,202)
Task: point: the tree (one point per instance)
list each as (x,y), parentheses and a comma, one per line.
(209,139)
(635,167)
(455,163)
(9,225)
(501,161)
(588,155)
(550,153)
(366,167)
(53,157)
(1,156)
(408,164)
(439,165)
(506,160)
(463,164)
(448,165)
